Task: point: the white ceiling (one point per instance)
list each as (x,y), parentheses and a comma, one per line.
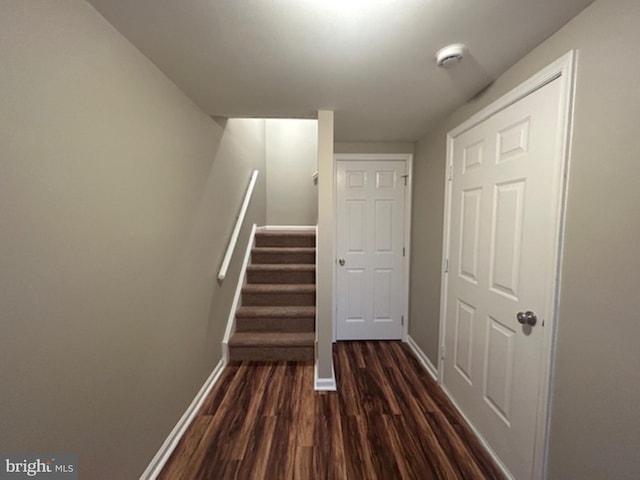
(371,61)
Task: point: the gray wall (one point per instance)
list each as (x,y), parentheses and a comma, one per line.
(595,425)
(117,199)
(426,241)
(374,147)
(292,159)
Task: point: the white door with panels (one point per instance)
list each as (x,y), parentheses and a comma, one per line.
(505,203)
(370,242)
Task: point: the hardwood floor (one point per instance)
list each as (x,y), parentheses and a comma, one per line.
(389,420)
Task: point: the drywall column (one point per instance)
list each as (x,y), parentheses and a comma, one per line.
(324,377)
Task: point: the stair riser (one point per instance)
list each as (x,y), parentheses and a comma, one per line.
(271,354)
(286,241)
(275,299)
(287,325)
(285,257)
(281,277)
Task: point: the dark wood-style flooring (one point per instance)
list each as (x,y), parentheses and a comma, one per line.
(388,420)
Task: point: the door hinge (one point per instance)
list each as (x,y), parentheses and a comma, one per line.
(403,251)
(446,266)
(441,352)
(450,172)
(405,179)
(402,320)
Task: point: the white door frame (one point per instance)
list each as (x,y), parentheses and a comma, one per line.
(407,158)
(562,70)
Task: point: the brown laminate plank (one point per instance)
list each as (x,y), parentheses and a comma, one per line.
(229,380)
(329,457)
(192,456)
(355,350)
(397,449)
(414,418)
(388,420)
(303,463)
(435,400)
(178,465)
(279,463)
(444,433)
(384,461)
(254,464)
(387,395)
(411,379)
(304,419)
(296,418)
(409,458)
(465,464)
(283,406)
(226,439)
(272,402)
(349,403)
(256,402)
(358,455)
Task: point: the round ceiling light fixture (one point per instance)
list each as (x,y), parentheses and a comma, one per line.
(450,55)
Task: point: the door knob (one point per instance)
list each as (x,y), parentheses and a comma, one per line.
(528,318)
(341,262)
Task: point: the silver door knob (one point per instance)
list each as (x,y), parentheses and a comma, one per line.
(528,318)
(341,262)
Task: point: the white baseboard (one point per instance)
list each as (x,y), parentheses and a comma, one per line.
(231,320)
(276,228)
(160,459)
(324,384)
(426,363)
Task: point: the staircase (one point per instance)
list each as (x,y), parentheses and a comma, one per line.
(277,317)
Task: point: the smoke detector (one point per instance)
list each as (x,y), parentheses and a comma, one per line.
(450,55)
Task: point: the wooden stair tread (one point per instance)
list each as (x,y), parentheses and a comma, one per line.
(272,339)
(276,312)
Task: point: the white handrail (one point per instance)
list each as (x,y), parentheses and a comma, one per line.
(236,230)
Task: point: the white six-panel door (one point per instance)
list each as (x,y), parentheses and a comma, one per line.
(370,239)
(504,188)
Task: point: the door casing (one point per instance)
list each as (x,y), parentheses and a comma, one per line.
(562,70)
(373,157)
